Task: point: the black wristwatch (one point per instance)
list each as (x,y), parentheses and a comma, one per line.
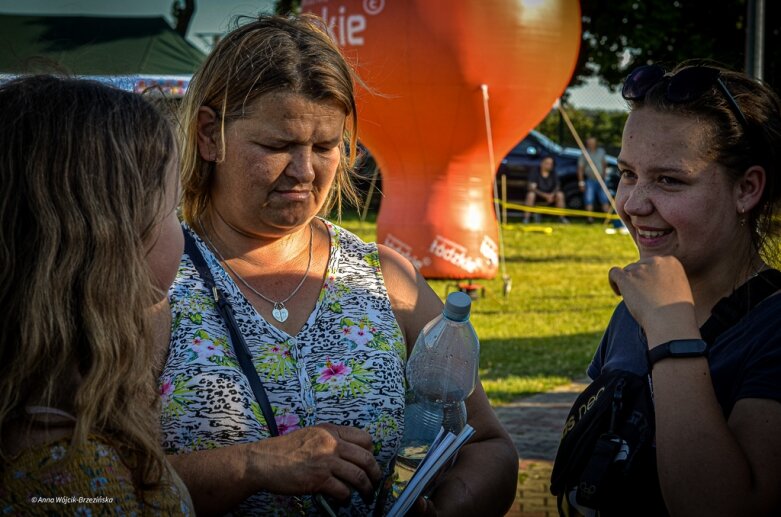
(678,348)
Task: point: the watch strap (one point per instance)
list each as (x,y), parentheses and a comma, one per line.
(678,348)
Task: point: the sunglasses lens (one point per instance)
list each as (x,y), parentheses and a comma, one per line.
(690,83)
(685,85)
(640,80)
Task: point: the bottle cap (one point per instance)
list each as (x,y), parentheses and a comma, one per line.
(457,306)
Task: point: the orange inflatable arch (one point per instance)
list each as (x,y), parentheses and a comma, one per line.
(438,68)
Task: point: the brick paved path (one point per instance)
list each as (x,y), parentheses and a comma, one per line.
(535,424)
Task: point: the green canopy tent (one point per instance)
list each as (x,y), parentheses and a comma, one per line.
(131,53)
(87,45)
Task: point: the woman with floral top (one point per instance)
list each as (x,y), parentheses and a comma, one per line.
(327,318)
(90,242)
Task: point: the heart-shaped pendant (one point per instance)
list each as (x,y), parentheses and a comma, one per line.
(279,312)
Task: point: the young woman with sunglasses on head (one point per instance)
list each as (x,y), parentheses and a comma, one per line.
(699,193)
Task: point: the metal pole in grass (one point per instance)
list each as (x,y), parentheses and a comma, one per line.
(504,199)
(507,282)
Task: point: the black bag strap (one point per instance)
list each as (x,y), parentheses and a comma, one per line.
(730,309)
(607,446)
(241,350)
(594,473)
(240,347)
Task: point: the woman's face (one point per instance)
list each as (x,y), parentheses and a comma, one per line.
(674,200)
(279,164)
(166,241)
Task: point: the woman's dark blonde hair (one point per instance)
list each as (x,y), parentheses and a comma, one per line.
(83,173)
(736,146)
(268,54)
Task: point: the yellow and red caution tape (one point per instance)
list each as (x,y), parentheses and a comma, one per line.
(549,210)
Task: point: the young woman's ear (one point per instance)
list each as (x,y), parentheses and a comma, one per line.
(208,134)
(749,188)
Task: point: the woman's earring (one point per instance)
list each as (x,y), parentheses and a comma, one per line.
(742,218)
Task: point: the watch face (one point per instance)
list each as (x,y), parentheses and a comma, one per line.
(687,346)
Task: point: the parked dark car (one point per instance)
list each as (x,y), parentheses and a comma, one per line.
(526,156)
(522,159)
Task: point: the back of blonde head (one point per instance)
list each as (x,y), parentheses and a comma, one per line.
(83,169)
(266,55)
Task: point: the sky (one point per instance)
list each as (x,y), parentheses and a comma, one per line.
(214,16)
(592,95)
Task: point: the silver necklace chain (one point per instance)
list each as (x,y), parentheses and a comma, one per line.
(279,311)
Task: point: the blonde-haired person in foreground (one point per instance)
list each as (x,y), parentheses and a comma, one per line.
(89,243)
(328,319)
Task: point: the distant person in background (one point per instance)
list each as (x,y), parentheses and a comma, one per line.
(587,180)
(544,186)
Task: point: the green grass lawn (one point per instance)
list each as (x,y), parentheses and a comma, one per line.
(545,332)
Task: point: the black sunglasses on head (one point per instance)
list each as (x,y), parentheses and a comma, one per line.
(685,85)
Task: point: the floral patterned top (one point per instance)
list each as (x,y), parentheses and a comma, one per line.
(345,366)
(91,480)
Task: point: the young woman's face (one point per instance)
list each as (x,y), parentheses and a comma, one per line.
(166,241)
(673,199)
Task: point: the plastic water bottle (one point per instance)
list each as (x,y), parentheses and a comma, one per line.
(441,374)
